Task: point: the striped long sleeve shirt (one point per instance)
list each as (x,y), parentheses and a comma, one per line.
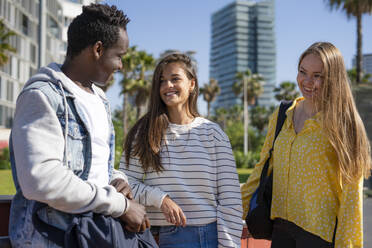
(199,175)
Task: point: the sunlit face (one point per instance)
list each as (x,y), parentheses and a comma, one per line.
(175,86)
(310,76)
(110,61)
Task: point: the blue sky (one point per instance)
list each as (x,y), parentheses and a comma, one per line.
(158,25)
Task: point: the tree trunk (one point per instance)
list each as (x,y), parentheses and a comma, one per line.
(125,114)
(209,109)
(138,112)
(359,49)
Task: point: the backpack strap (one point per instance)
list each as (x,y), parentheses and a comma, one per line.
(284,105)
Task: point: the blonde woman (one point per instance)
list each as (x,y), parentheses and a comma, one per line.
(319,159)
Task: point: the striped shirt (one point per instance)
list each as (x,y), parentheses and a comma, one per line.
(199,175)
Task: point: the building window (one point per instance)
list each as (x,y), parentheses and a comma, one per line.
(25,24)
(53,27)
(8,117)
(9,91)
(2,116)
(33,52)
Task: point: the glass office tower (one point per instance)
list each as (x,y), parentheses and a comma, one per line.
(242,37)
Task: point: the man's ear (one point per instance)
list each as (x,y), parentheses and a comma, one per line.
(97,49)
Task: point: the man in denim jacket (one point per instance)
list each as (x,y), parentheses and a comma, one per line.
(62,141)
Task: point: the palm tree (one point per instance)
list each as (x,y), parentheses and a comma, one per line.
(5,47)
(129,61)
(251,85)
(140,90)
(210,92)
(354,8)
(260,117)
(254,86)
(146,64)
(136,81)
(220,116)
(286,91)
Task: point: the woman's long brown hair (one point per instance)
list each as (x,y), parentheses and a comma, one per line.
(340,118)
(145,138)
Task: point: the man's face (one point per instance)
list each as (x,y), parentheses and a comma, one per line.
(110,61)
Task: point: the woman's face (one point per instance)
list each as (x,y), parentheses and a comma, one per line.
(310,76)
(175,86)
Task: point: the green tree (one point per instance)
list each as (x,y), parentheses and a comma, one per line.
(129,61)
(143,86)
(140,90)
(353,77)
(355,8)
(5,47)
(220,116)
(210,92)
(117,118)
(4,159)
(286,91)
(136,81)
(254,85)
(251,86)
(260,117)
(232,123)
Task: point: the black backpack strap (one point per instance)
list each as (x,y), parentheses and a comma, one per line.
(284,105)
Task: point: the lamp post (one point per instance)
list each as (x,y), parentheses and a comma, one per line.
(245,104)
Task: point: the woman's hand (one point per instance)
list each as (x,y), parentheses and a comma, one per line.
(172,212)
(123,187)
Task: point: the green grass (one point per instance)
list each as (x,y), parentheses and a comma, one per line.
(244,174)
(7,186)
(368,192)
(6,183)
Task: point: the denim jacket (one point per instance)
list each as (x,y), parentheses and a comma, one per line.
(51,160)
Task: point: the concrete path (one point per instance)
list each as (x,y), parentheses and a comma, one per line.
(367,221)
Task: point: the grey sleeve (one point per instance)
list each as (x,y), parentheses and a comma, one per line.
(38,148)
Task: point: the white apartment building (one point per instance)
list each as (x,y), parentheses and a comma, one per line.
(39,40)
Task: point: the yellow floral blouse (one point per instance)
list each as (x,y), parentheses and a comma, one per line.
(307,189)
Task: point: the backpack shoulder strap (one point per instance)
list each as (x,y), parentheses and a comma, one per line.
(284,105)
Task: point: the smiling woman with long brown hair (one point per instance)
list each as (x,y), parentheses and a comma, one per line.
(181,166)
(319,159)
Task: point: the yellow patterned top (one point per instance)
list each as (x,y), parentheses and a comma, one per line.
(307,189)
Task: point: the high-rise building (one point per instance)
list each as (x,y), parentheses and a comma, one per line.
(366,63)
(41,37)
(243,37)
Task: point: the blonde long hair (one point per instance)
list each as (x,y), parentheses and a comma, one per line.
(340,118)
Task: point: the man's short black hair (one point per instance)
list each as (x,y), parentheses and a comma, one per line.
(98,22)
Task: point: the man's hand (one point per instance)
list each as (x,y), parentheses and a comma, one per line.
(135,218)
(172,212)
(123,187)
